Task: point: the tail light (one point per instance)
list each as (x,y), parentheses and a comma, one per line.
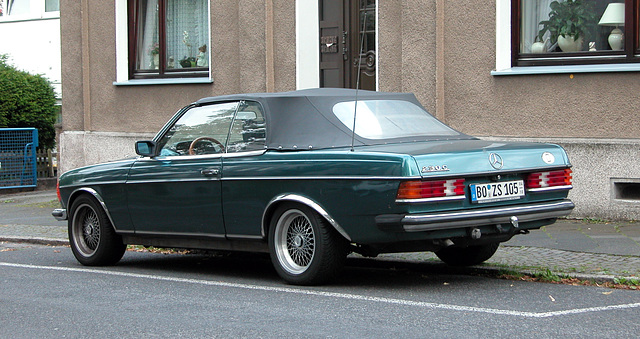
(414,191)
(549,179)
(58,191)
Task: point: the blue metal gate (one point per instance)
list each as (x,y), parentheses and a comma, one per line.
(18,157)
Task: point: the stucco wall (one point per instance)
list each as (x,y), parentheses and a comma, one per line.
(595,105)
(407,49)
(238,65)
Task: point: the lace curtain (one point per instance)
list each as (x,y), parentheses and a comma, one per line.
(532,13)
(187,31)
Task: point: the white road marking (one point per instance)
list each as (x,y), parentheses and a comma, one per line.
(347,296)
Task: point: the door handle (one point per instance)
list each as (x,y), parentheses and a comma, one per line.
(210,172)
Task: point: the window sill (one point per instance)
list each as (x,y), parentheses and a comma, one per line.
(173,81)
(605,68)
(22,18)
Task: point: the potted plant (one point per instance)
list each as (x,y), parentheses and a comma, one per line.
(568,23)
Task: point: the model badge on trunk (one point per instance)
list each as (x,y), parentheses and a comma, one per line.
(442,168)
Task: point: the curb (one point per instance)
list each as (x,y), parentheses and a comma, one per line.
(485,269)
(35,240)
(488,269)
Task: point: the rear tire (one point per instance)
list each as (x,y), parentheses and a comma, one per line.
(93,239)
(304,249)
(467,256)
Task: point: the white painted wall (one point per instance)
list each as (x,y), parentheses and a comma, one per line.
(307,42)
(33,45)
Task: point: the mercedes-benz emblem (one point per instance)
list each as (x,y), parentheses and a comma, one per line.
(496,161)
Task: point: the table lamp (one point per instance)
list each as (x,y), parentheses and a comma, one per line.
(614,16)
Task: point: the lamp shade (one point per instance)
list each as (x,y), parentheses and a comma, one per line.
(613,15)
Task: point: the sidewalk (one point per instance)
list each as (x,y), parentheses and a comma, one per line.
(600,250)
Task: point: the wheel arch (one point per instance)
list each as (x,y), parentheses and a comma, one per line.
(296,198)
(93,193)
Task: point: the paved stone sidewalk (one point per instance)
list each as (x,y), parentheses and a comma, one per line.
(538,260)
(53,235)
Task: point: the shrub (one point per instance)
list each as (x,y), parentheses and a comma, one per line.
(27,100)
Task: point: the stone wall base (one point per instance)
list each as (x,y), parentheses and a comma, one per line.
(79,148)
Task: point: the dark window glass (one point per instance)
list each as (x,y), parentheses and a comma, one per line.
(168,38)
(550,32)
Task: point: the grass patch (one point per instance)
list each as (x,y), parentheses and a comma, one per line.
(548,276)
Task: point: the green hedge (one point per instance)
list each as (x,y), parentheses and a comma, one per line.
(27,100)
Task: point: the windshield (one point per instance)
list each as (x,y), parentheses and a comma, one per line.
(386,119)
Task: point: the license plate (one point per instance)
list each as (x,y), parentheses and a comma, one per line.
(497,191)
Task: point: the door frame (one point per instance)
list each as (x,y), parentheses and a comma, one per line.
(308,42)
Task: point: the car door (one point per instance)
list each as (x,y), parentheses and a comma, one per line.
(178,192)
(244,189)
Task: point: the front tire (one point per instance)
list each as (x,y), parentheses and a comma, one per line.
(304,249)
(92,237)
(467,256)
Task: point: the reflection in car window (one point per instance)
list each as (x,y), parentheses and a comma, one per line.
(248,132)
(201,130)
(385,119)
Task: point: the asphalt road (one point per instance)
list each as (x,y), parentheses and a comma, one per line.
(44,292)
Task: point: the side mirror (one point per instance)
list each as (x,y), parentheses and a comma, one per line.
(146,148)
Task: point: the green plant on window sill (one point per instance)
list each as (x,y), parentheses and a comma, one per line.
(569,19)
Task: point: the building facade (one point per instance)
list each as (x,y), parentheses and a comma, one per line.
(487,68)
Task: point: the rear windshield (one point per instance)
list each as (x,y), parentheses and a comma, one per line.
(387,119)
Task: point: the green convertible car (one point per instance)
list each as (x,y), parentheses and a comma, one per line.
(310,176)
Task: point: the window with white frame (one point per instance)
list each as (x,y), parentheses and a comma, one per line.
(168,38)
(574,32)
(28,9)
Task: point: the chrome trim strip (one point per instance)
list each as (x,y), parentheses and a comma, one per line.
(180,234)
(245,237)
(98,197)
(202,156)
(203,179)
(424,200)
(486,216)
(98,183)
(305,201)
(158,158)
(552,188)
(323,178)
(497,172)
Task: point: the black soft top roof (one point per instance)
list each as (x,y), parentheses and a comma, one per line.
(304,119)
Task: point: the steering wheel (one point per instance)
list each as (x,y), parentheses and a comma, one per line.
(197,140)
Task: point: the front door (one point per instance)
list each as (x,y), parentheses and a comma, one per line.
(178,192)
(348,44)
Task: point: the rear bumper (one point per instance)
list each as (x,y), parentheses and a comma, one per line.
(477,217)
(60,214)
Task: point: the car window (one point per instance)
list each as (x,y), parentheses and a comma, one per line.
(248,132)
(386,119)
(201,130)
